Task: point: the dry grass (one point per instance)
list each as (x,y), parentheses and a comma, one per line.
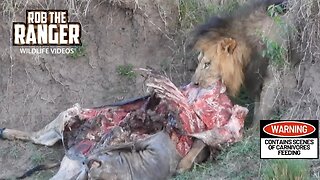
(301,101)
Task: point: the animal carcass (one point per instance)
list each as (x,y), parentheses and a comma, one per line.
(144,138)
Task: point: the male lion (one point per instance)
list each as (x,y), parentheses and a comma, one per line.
(231,50)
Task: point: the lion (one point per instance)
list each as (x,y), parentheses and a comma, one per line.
(230,49)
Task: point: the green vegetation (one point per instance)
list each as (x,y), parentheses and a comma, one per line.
(239,161)
(247,147)
(126,71)
(37,158)
(192,12)
(228,7)
(14,152)
(275,10)
(242,161)
(78,51)
(199,172)
(275,52)
(287,169)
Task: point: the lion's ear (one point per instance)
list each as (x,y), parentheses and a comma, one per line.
(228,45)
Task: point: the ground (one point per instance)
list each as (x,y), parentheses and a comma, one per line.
(118,37)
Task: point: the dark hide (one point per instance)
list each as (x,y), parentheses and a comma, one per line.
(154,158)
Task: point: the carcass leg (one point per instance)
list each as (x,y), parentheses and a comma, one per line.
(48,135)
(13,134)
(196,153)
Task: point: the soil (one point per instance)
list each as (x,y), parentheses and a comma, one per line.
(34,89)
(299,91)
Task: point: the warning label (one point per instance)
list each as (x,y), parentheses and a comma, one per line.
(281,139)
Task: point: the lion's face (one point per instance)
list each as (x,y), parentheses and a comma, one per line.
(225,59)
(207,71)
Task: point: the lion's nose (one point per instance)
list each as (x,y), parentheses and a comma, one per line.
(196,83)
(195,80)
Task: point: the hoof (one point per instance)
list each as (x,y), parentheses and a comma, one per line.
(1,133)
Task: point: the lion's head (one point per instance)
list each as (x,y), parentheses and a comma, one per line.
(221,58)
(228,42)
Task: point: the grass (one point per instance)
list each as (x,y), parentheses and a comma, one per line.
(14,152)
(126,71)
(287,169)
(275,10)
(247,146)
(242,161)
(228,7)
(78,51)
(37,158)
(234,162)
(192,12)
(275,52)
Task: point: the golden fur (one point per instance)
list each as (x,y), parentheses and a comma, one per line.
(225,59)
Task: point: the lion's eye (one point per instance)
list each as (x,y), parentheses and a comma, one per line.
(206,65)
